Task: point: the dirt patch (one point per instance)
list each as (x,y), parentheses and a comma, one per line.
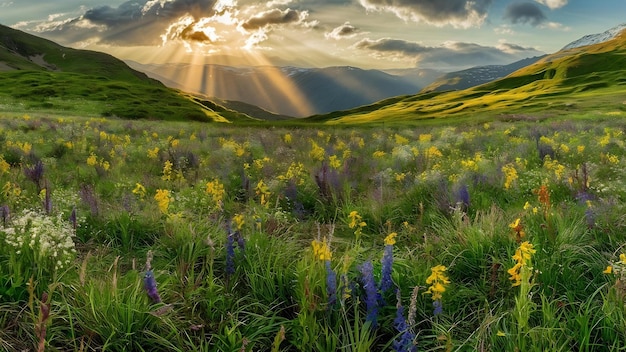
(5,67)
(38,59)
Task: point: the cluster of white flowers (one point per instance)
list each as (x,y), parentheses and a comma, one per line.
(48,238)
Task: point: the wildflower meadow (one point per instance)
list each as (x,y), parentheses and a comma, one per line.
(507,235)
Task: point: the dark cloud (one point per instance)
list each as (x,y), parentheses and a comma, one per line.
(459,13)
(274,16)
(346,30)
(451,55)
(524,12)
(134,22)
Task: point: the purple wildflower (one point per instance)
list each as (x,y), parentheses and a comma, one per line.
(371,292)
(149,283)
(331,284)
(438,307)
(387,263)
(404,343)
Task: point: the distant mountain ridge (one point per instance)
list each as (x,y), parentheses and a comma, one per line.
(581,80)
(591,39)
(287,90)
(475,76)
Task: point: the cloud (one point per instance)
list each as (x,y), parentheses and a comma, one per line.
(133,23)
(524,12)
(553,4)
(274,17)
(457,13)
(346,30)
(448,56)
(6,3)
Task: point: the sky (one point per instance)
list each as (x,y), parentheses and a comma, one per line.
(446,35)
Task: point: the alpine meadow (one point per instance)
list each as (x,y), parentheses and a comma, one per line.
(137,217)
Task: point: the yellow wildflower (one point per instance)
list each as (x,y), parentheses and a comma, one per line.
(92,160)
(321,250)
(356,222)
(163,199)
(522,257)
(139,190)
(153,153)
(262,191)
(167,171)
(437,281)
(390,240)
(317,153)
(608,270)
(215,190)
(239,221)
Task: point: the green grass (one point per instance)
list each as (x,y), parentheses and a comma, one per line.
(256,284)
(581,80)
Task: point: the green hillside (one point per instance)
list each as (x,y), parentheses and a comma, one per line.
(576,81)
(39,75)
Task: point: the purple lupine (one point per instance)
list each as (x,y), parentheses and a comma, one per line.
(371,292)
(230,254)
(150,284)
(387,264)
(437,307)
(404,342)
(331,284)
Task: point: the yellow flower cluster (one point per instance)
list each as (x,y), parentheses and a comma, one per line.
(522,258)
(317,153)
(167,171)
(437,281)
(239,220)
(433,152)
(356,222)
(379,154)
(401,140)
(510,175)
(321,250)
(92,160)
(153,153)
(295,172)
(263,192)
(215,190)
(139,190)
(334,162)
(4,166)
(425,137)
(390,240)
(163,199)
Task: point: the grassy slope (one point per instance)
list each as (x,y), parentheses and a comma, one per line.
(80,82)
(576,81)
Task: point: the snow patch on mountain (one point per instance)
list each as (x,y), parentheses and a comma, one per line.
(596,38)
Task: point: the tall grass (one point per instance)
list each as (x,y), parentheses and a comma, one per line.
(122,235)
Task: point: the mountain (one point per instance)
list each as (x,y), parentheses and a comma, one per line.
(38,74)
(575,81)
(596,38)
(286,90)
(476,76)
